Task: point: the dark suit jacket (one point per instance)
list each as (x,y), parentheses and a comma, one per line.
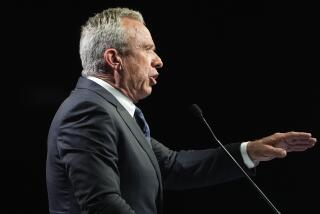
(98,160)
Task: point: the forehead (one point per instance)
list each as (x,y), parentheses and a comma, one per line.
(138,33)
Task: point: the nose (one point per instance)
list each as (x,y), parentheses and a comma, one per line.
(157,62)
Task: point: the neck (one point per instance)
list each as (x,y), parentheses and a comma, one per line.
(114,82)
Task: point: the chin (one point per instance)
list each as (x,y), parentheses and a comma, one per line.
(146,93)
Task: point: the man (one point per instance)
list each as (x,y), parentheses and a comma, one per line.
(101,158)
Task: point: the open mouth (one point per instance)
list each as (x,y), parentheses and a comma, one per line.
(153,80)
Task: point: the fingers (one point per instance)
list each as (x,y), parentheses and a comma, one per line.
(302,141)
(311,142)
(296,135)
(291,135)
(294,138)
(299,147)
(285,143)
(295,141)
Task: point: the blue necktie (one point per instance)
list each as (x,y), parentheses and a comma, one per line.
(143,124)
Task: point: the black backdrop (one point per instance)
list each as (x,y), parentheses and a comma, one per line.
(251,67)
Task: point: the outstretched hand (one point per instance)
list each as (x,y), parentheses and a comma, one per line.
(278,144)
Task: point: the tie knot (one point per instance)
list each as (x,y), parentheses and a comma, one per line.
(138,113)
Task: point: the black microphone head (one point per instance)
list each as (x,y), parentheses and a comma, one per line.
(195,109)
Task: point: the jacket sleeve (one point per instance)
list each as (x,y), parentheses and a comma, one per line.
(87,146)
(198,168)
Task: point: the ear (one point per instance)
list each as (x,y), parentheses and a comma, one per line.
(112,59)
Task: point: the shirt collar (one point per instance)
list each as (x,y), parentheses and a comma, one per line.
(123,100)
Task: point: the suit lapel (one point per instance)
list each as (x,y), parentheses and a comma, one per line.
(136,131)
(130,122)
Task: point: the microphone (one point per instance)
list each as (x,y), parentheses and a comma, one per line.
(195,109)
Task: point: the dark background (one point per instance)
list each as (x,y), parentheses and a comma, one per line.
(250,65)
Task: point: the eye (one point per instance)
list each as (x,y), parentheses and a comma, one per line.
(149,48)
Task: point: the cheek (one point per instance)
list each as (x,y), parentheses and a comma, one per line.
(138,79)
(143,79)
(139,72)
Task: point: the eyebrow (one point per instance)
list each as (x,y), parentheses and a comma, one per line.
(148,46)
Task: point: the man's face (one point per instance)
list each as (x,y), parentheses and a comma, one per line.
(140,63)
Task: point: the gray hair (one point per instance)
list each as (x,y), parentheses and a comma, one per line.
(103,31)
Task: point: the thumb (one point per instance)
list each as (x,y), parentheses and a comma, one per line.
(278,152)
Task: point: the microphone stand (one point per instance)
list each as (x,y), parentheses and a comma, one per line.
(197,111)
